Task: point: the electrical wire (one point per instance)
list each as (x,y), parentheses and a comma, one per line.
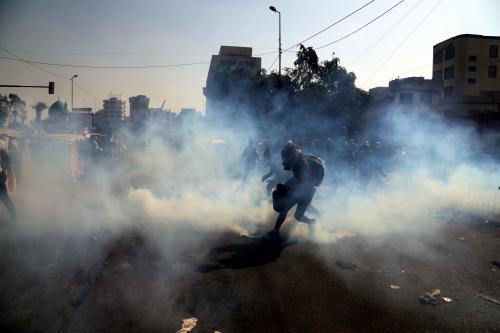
(331,25)
(360,28)
(18,58)
(85,90)
(385,34)
(405,72)
(271,66)
(403,41)
(106,67)
(113,53)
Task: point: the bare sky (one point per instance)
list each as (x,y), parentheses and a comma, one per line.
(159,32)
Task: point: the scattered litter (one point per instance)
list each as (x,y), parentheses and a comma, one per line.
(430,298)
(244,236)
(493,269)
(436,292)
(187,325)
(346,265)
(461,238)
(489,299)
(446,299)
(427,299)
(496,263)
(395,286)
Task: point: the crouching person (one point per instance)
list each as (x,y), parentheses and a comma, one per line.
(308,172)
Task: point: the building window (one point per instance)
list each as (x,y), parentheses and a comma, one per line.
(438,57)
(472,68)
(472,58)
(492,71)
(448,91)
(406,98)
(438,75)
(487,94)
(426,99)
(449,52)
(448,72)
(471,80)
(493,51)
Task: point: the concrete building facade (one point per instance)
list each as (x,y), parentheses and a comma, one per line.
(468,65)
(139,110)
(229,59)
(110,118)
(412,94)
(80,119)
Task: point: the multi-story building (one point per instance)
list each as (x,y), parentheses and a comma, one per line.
(412,94)
(110,118)
(229,60)
(468,65)
(80,119)
(139,110)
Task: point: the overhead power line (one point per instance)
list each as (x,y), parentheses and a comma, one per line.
(360,28)
(403,41)
(18,58)
(385,34)
(127,53)
(35,62)
(331,25)
(403,73)
(271,66)
(106,67)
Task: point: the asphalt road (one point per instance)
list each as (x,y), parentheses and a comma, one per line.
(144,280)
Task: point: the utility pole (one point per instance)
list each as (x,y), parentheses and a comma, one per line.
(279,38)
(72,91)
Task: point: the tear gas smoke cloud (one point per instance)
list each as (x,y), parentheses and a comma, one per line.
(176,198)
(200,185)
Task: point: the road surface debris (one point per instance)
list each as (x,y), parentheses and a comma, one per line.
(489,299)
(346,264)
(187,325)
(430,298)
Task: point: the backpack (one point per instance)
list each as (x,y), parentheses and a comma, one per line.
(316,169)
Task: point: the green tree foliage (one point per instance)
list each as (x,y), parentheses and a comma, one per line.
(312,100)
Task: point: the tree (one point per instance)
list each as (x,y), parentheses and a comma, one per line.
(18,108)
(311,101)
(4,110)
(39,107)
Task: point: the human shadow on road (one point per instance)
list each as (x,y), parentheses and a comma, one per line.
(256,253)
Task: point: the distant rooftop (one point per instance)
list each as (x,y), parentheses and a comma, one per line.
(235,51)
(468,36)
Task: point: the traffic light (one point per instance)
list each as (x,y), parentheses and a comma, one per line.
(51,88)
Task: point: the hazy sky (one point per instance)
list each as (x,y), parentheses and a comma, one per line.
(159,32)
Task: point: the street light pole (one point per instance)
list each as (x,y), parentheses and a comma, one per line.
(72,91)
(279,38)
